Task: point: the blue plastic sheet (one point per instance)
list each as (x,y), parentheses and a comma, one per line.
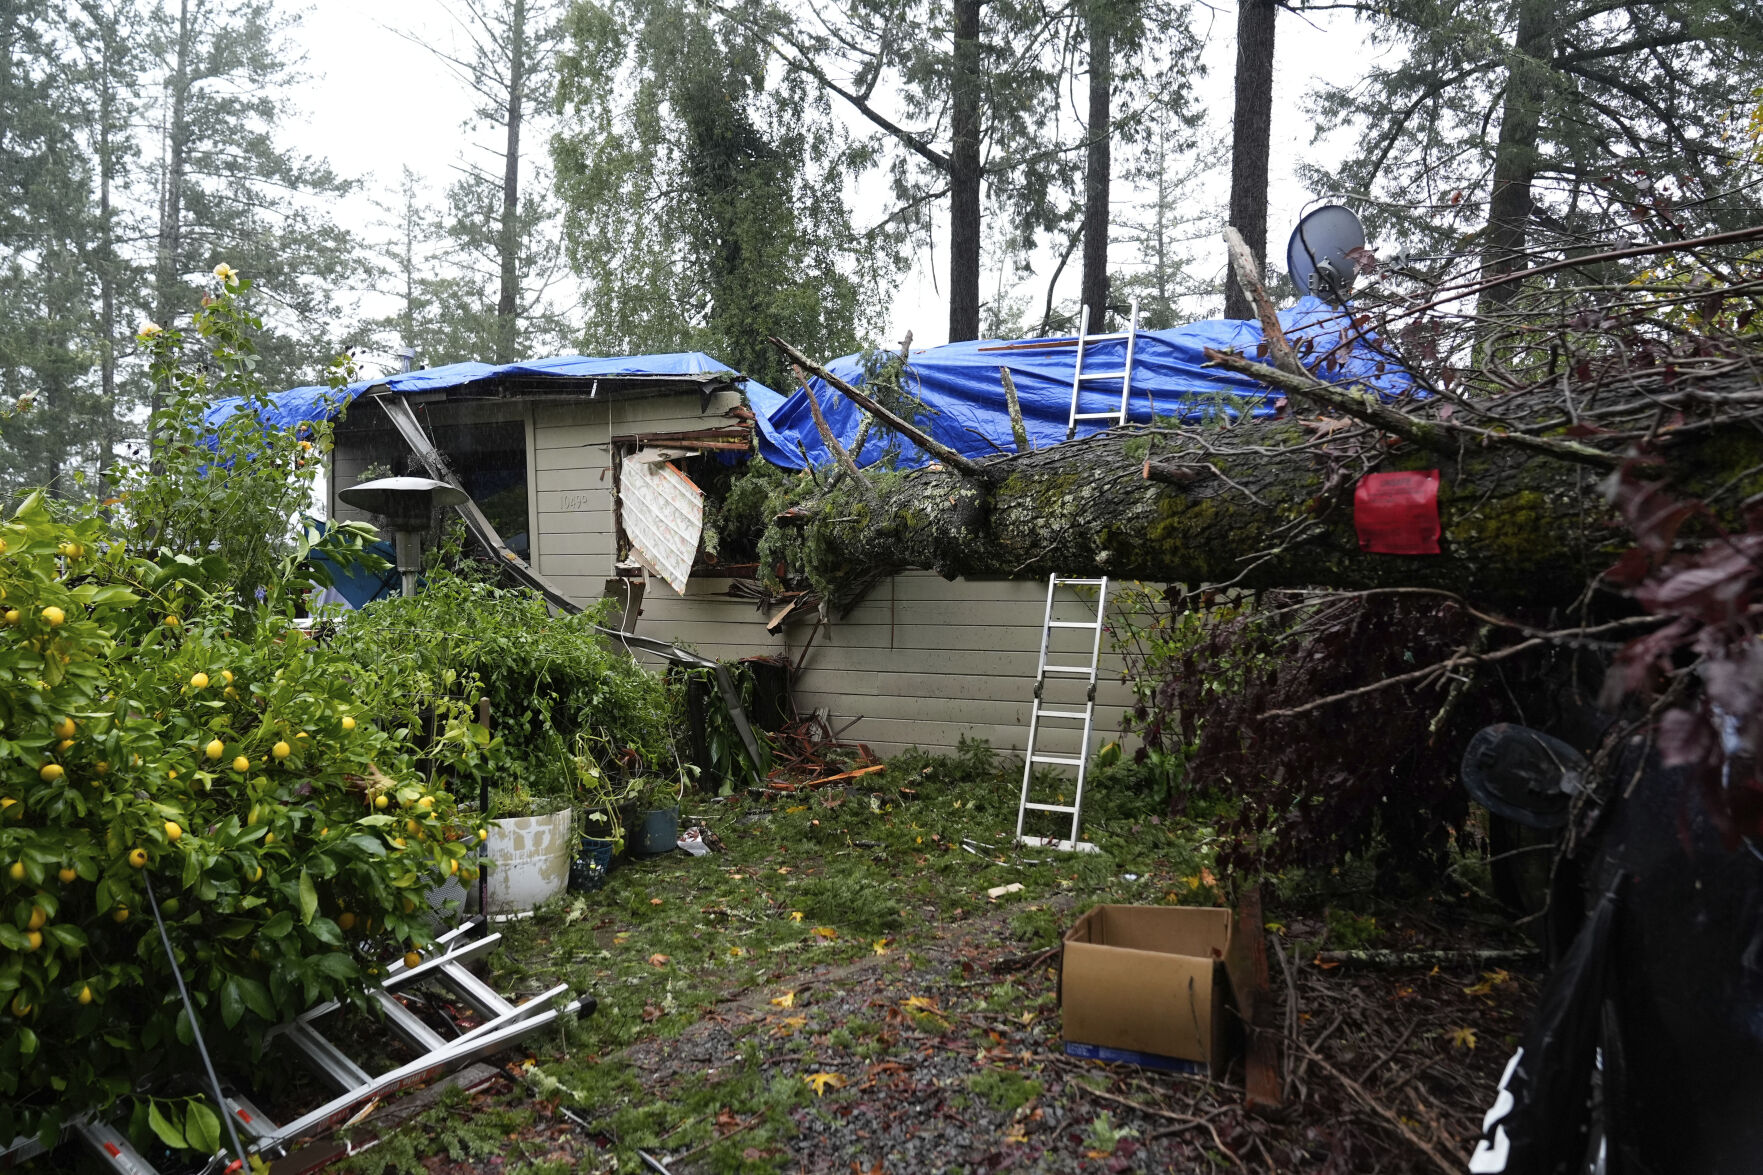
(298,406)
(964,394)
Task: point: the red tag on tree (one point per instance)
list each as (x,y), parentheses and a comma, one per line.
(1398,513)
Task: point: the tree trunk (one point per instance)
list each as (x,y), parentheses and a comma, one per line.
(1097,167)
(1515,158)
(166,277)
(509,246)
(1251,140)
(965,97)
(1517,528)
(107,258)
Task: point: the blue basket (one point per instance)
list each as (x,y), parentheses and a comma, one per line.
(591,864)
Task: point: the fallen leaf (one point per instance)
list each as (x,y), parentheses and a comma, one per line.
(795,915)
(796,808)
(785,869)
(658,960)
(824,932)
(819,1082)
(1463,1038)
(651,1013)
(788,1025)
(654,901)
(737,952)
(921,1003)
(786,1000)
(881,946)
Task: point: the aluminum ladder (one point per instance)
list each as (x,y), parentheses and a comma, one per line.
(1064,713)
(501,1025)
(1079,376)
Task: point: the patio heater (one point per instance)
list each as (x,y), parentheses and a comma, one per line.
(408,505)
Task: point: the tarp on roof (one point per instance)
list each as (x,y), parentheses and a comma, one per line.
(960,385)
(297,406)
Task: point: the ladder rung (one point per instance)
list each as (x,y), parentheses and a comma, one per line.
(1062,760)
(113,1149)
(1118,334)
(1114,416)
(1088,582)
(1121,374)
(344,1073)
(407,1024)
(1083,669)
(1074,623)
(253,1121)
(1075,715)
(1065,808)
(481,996)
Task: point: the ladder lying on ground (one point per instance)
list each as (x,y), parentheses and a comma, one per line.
(501,1025)
(1065,713)
(1079,376)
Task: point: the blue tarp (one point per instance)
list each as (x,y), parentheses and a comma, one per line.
(297,406)
(960,385)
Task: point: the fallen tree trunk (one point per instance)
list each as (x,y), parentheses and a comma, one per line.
(1265,504)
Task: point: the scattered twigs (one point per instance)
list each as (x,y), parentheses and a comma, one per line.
(1018,429)
(1387,1114)
(899,424)
(1188,1121)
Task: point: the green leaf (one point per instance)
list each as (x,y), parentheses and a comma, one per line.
(371,845)
(203,1128)
(161,1125)
(27,1042)
(232,1004)
(308,898)
(256,997)
(71,937)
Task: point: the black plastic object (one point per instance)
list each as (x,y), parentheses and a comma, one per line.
(591,863)
(1539,1122)
(1522,774)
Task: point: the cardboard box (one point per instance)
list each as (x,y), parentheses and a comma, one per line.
(1149,985)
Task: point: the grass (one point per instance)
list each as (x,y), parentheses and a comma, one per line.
(805,881)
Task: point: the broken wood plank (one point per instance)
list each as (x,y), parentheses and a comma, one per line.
(1261,1076)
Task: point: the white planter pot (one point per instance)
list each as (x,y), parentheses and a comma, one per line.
(531,861)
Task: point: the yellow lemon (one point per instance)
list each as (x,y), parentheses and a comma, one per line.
(281,750)
(231,692)
(426,803)
(172,832)
(33,939)
(346,920)
(16,871)
(171,774)
(381,802)
(483,834)
(300,736)
(199,681)
(241,764)
(65,728)
(257,873)
(138,858)
(38,917)
(53,616)
(64,745)
(226,675)
(397,842)
(412,827)
(50,772)
(409,905)
(102,767)
(269,838)
(20,1005)
(67,875)
(215,749)
(348,723)
(85,994)
(452,866)
(12,615)
(411,959)
(172,622)
(120,914)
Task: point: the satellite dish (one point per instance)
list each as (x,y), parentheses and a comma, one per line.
(1317,255)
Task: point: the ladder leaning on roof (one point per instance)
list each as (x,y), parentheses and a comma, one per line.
(1124,374)
(1063,712)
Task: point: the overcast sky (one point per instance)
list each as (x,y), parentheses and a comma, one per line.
(377,102)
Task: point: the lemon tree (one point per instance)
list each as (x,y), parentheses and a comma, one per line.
(164,723)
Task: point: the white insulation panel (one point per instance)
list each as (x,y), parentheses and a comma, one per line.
(663,516)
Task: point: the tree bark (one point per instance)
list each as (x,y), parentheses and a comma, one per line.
(1518,528)
(1515,157)
(965,99)
(1251,139)
(508,248)
(1097,167)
